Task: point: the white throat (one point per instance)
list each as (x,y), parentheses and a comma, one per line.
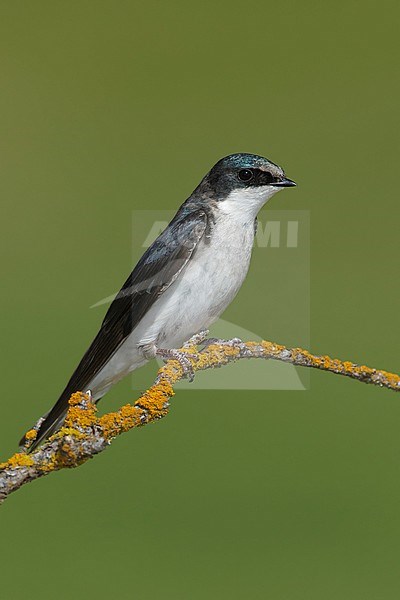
(247,202)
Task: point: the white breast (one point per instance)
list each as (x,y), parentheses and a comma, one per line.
(206,286)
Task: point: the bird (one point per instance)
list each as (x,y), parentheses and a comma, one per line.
(182,283)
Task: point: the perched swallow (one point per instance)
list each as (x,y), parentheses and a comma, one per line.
(183,282)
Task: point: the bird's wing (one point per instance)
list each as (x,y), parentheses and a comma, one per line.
(158,268)
(155,272)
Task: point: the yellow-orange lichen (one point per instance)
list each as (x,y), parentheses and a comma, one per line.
(152,404)
(64,431)
(50,465)
(153,401)
(270,348)
(20,459)
(31,435)
(81,412)
(114,423)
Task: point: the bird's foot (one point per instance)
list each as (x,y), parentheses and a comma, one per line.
(196,339)
(181,357)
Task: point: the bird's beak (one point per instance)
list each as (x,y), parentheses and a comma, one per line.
(285,182)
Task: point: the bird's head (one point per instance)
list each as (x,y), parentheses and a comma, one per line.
(243,182)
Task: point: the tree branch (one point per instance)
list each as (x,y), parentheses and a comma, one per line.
(84,435)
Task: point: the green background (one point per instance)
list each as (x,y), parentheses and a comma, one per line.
(108,107)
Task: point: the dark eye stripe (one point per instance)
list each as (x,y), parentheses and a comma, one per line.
(256,176)
(267,177)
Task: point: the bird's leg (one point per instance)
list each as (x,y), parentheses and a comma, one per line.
(196,339)
(183,357)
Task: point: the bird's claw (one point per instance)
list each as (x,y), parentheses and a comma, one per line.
(181,357)
(196,339)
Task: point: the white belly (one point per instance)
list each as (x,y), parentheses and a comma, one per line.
(200,294)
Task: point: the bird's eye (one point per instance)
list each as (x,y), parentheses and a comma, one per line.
(245,175)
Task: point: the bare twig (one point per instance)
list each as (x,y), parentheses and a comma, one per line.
(84,435)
